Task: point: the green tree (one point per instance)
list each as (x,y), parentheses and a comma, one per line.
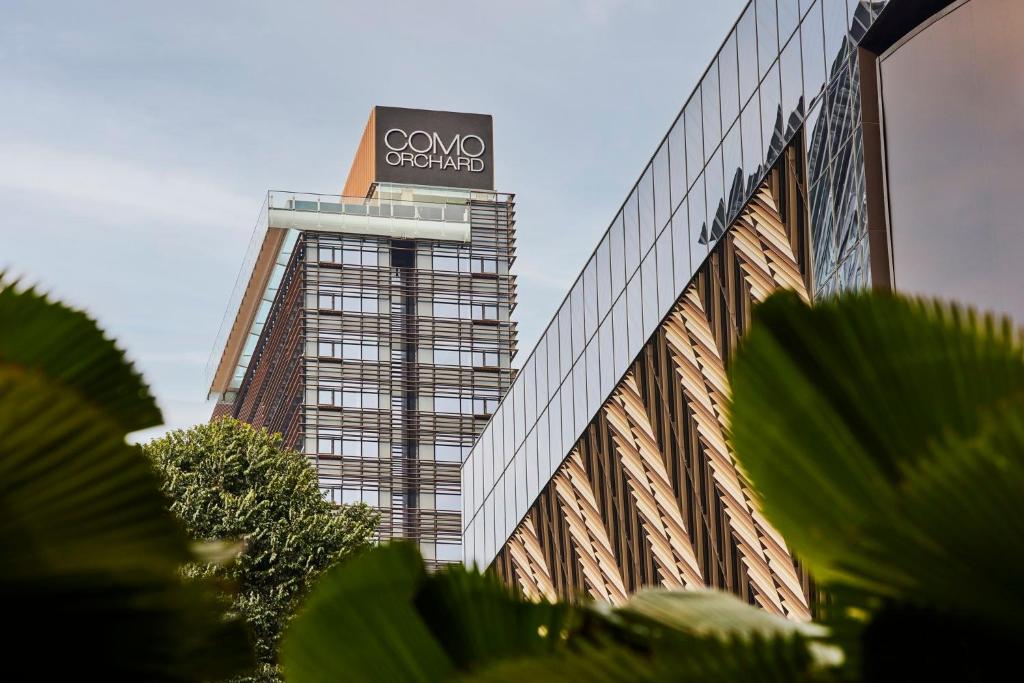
(90,558)
(885,439)
(229,480)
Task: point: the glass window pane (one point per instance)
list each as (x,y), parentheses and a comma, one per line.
(732,164)
(767,35)
(578,330)
(694,139)
(564,341)
(554,369)
(618,249)
(631,232)
(540,361)
(662,209)
(602,276)
(590,297)
(518,413)
(554,430)
(859,16)
(620,335)
(645,191)
(666,291)
(568,416)
(746,43)
(677,161)
(817,142)
(634,315)
(607,358)
(712,114)
(649,292)
(579,395)
(530,390)
(728,78)
(792,86)
(509,446)
(771,114)
(753,154)
(592,364)
(532,466)
(789,17)
(714,190)
(698,217)
(813,41)
(681,248)
(834,15)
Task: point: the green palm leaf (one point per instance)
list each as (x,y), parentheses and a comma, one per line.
(885,438)
(66,346)
(380,617)
(90,558)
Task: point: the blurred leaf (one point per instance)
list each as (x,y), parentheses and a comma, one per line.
(885,438)
(90,559)
(360,624)
(381,618)
(66,346)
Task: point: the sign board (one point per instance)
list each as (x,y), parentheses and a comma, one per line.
(437,148)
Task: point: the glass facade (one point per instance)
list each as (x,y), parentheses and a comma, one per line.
(786,66)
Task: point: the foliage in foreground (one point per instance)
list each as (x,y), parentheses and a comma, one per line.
(90,558)
(885,439)
(229,480)
(381,617)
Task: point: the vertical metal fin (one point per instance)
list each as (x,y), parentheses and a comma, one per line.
(589,536)
(650,487)
(528,560)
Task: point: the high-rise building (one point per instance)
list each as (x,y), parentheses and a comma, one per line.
(830,145)
(372,327)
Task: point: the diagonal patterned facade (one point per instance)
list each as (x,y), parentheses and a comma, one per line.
(650,495)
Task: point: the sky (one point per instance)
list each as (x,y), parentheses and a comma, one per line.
(138,139)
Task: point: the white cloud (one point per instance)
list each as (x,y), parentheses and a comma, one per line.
(64,175)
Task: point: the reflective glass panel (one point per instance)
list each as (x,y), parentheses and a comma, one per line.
(603,278)
(694,139)
(554,370)
(746,43)
(677,161)
(813,41)
(714,190)
(634,314)
(620,338)
(767,35)
(680,248)
(617,247)
(753,154)
(590,297)
(792,85)
(771,114)
(663,250)
(645,194)
(728,78)
(662,208)
(712,116)
(631,222)
(789,17)
(540,361)
(649,285)
(834,15)
(607,360)
(698,218)
(565,339)
(732,165)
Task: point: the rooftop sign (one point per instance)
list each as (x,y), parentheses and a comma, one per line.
(439,148)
